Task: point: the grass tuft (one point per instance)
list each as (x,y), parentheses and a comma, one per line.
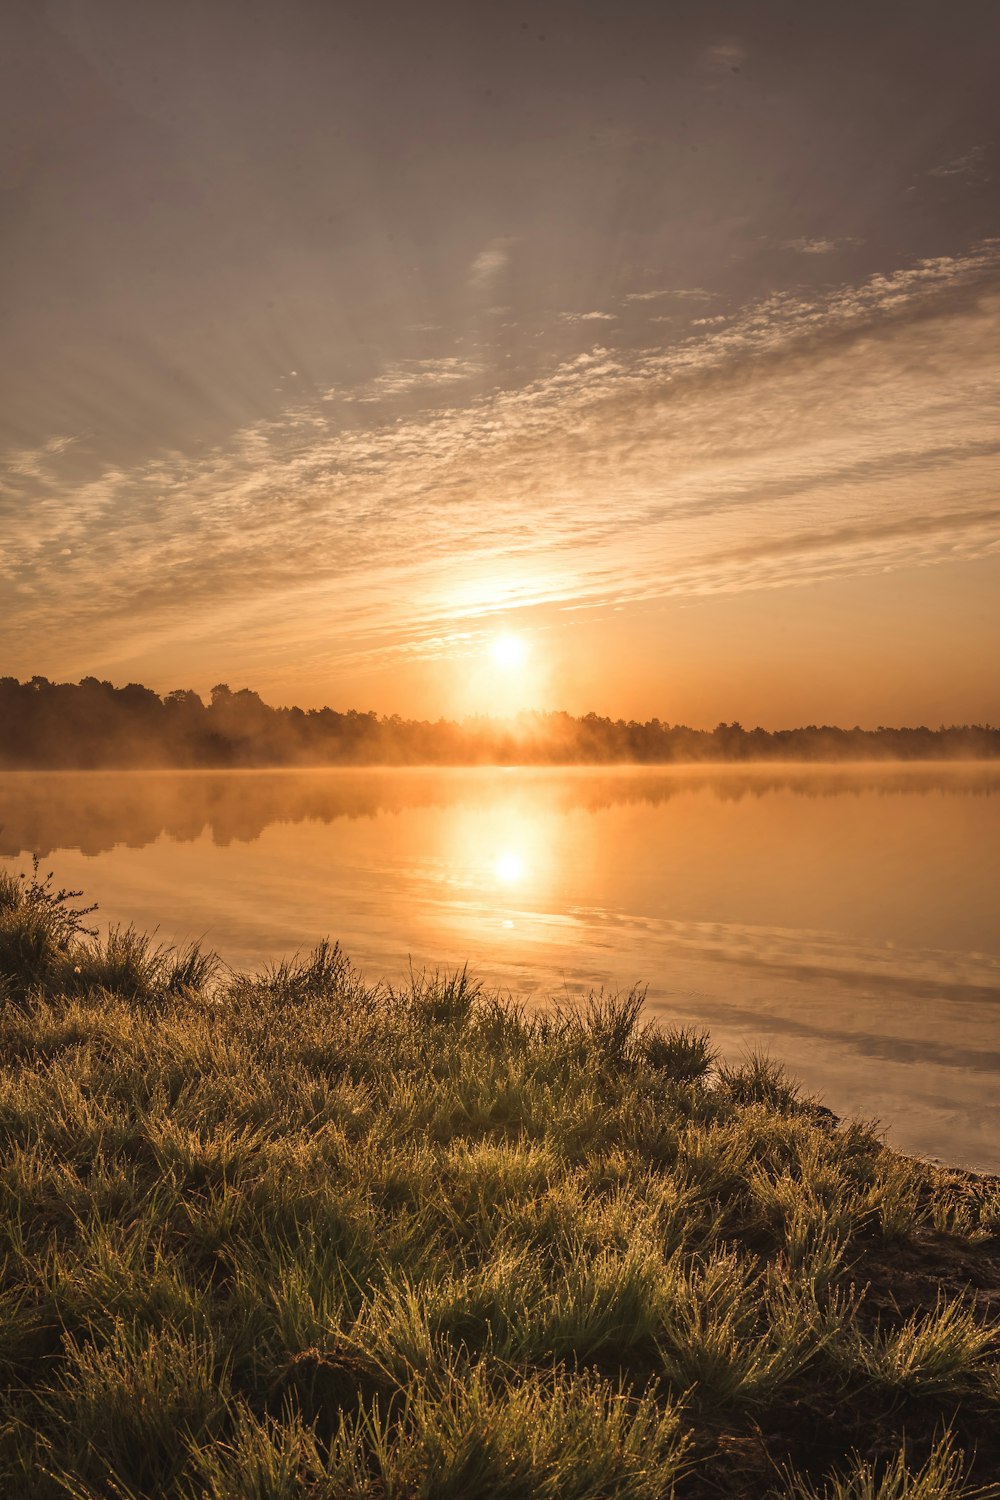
(941,1352)
(681,1053)
(941,1477)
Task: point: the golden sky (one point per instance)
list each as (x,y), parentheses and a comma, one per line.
(664,340)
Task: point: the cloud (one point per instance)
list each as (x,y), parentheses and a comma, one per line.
(807,246)
(804,438)
(38,463)
(407,376)
(695,294)
(969,166)
(488,264)
(728,55)
(587,317)
(709,322)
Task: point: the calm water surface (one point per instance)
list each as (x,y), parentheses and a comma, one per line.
(847,920)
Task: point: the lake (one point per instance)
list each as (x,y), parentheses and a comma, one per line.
(844,919)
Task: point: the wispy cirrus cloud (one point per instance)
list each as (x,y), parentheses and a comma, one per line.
(587,317)
(489,263)
(406,377)
(825,246)
(970,166)
(35,463)
(804,438)
(727,55)
(692,294)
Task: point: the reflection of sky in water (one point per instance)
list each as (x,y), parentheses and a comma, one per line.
(844,919)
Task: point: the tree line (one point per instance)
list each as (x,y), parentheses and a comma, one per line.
(92,724)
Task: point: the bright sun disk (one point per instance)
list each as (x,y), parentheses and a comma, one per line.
(509,868)
(508,650)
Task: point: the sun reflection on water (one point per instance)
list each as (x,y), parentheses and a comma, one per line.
(509,868)
(499,852)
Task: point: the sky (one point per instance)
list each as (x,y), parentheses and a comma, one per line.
(659,340)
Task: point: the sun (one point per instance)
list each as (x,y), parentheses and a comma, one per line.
(509,868)
(508,650)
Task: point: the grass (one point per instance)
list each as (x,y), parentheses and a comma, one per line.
(287,1235)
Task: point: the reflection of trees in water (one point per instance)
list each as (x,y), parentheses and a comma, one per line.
(95,811)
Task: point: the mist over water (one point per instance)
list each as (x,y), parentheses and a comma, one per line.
(843,918)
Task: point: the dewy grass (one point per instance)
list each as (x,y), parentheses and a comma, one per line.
(941,1477)
(936,1352)
(287,1234)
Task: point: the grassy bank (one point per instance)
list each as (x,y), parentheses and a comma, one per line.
(287,1235)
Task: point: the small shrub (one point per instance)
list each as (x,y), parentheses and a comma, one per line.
(39,926)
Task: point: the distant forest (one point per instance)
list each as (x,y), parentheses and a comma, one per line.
(93,724)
